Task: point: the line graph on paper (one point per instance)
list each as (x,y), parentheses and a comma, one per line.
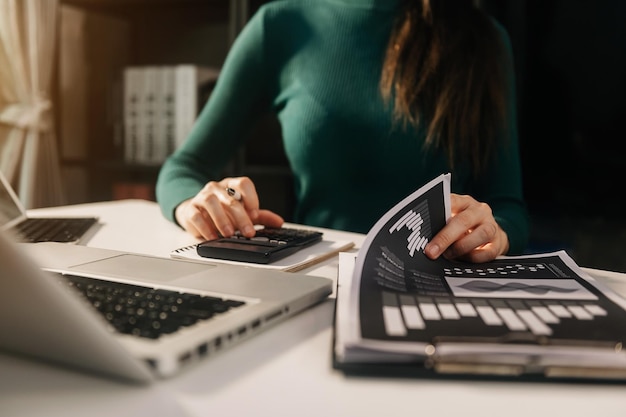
(417,221)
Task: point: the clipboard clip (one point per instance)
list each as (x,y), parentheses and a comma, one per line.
(443,357)
(528,338)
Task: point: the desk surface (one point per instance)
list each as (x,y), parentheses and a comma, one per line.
(285,371)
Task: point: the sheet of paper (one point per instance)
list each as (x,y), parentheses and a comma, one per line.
(541,310)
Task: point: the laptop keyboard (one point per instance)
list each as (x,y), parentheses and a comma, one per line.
(148,312)
(53,229)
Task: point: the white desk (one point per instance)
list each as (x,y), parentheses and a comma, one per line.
(285,371)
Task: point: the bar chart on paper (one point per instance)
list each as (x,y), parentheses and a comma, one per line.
(417,221)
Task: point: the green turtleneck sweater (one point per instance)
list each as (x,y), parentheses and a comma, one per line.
(317,65)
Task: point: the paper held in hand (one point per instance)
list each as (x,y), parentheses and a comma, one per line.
(538,316)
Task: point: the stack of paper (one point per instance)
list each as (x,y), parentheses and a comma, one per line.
(534,316)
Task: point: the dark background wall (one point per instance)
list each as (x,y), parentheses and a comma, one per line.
(571,70)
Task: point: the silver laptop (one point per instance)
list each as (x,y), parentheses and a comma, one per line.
(164,315)
(41,229)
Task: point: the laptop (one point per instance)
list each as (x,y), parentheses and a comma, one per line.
(41,229)
(137,331)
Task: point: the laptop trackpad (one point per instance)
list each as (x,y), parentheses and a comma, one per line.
(144,268)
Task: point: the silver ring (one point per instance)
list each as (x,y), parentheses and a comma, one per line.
(233,193)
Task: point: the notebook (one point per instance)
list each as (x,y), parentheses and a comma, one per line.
(40,229)
(303,258)
(110,336)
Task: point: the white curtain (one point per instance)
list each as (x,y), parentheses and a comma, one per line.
(28,147)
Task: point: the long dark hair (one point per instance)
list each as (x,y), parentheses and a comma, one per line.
(443,69)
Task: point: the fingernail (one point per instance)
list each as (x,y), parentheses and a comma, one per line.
(228,231)
(248,230)
(433,250)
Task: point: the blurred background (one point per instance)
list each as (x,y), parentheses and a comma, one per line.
(570,58)
(571,69)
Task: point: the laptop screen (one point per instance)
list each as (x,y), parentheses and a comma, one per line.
(11,211)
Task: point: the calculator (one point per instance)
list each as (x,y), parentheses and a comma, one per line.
(266,246)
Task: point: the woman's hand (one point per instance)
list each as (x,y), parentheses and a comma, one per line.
(214,211)
(471,234)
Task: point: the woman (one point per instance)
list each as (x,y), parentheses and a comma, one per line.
(375,98)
